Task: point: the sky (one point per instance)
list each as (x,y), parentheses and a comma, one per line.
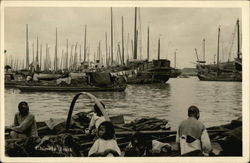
(180,30)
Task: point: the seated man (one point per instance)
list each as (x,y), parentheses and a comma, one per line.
(192,136)
(24,123)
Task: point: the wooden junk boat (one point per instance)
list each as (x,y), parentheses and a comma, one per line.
(226,71)
(92,81)
(144,72)
(68,138)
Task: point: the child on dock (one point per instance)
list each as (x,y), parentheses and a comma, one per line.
(105,145)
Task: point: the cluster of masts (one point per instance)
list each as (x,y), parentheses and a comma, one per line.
(72,58)
(236,30)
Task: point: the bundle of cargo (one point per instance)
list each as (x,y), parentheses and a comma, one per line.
(148,124)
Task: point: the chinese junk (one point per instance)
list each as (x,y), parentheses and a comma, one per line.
(225,71)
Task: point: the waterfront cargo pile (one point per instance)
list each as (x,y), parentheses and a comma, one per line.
(148,124)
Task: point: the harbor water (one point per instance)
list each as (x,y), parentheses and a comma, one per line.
(219,102)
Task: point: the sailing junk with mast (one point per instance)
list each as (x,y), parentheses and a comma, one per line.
(144,71)
(222,71)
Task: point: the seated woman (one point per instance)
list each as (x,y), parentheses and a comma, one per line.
(106,144)
(96,119)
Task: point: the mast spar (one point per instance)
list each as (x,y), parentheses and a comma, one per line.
(148,46)
(106,42)
(85,37)
(159,48)
(27,47)
(55,59)
(122,44)
(238,38)
(175,58)
(218,51)
(41,56)
(204,59)
(135,35)
(111,38)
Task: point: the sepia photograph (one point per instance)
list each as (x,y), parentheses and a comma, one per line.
(84,79)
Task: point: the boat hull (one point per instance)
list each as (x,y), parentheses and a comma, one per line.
(156,71)
(69,89)
(237,77)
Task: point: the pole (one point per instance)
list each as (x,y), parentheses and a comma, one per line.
(159,47)
(127,48)
(80,55)
(218,51)
(238,35)
(175,59)
(46,58)
(148,46)
(62,60)
(55,59)
(41,56)
(106,42)
(67,54)
(37,62)
(135,35)
(75,57)
(122,43)
(196,55)
(27,47)
(111,37)
(85,37)
(33,53)
(204,51)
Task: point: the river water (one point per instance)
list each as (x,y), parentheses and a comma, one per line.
(219,102)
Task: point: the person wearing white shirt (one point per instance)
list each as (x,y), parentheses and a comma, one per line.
(96,119)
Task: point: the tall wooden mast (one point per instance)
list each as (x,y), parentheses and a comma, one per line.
(67,54)
(27,47)
(218,51)
(175,58)
(41,56)
(37,62)
(55,59)
(80,53)
(33,53)
(238,38)
(122,44)
(159,48)
(111,38)
(106,42)
(204,54)
(135,35)
(148,46)
(85,37)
